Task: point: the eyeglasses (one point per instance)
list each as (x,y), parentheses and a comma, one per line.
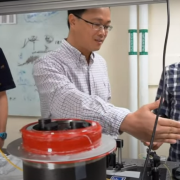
(95,26)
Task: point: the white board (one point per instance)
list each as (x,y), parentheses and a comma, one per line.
(32,36)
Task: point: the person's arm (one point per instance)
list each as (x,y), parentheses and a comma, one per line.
(3,114)
(66,101)
(165,108)
(6,83)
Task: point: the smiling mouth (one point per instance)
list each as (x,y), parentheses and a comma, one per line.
(99,41)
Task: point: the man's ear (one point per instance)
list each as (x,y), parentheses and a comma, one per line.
(72,20)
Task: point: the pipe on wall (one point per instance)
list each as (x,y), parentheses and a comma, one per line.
(143,60)
(133,75)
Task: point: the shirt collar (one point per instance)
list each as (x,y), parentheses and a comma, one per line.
(75,51)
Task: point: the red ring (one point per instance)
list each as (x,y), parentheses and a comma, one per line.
(61,142)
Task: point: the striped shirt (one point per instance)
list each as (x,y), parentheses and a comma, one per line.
(171,103)
(69,87)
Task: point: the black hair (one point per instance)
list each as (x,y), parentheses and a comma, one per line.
(78,12)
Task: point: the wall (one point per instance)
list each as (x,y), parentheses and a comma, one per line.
(115,51)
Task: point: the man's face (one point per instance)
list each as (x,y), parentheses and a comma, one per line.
(91,35)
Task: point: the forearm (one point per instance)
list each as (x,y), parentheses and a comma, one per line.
(73,103)
(3,111)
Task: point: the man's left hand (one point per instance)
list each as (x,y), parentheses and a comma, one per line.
(1,143)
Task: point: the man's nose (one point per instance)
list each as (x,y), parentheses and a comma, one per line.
(102,31)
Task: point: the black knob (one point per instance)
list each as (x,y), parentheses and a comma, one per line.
(43,122)
(119,143)
(118,167)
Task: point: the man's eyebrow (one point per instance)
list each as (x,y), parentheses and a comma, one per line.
(100,20)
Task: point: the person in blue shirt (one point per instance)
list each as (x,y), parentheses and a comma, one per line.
(6,83)
(171,102)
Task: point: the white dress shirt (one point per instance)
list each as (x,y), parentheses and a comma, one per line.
(70,88)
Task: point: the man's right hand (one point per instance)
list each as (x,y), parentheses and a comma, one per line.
(140,124)
(155,146)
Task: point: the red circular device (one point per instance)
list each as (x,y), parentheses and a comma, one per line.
(61,142)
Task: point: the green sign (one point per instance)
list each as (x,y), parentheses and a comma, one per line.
(143,41)
(131,32)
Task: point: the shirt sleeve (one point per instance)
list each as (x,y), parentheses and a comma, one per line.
(6,79)
(64,100)
(165,108)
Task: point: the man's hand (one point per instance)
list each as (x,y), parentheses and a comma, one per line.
(1,143)
(156,145)
(140,124)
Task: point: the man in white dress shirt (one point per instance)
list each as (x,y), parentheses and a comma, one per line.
(73,82)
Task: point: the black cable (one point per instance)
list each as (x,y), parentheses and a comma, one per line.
(162,95)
